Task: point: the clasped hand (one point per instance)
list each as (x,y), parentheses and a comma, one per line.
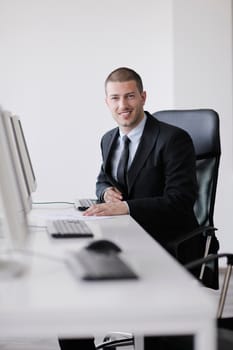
(113,205)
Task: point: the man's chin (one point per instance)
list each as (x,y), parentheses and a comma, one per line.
(126,123)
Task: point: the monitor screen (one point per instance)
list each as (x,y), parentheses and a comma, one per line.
(14,226)
(23,152)
(18,160)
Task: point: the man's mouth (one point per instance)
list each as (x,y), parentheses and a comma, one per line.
(125,113)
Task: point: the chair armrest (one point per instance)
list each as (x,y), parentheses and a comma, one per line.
(208,276)
(209,258)
(208,230)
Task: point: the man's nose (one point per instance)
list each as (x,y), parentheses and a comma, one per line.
(123,103)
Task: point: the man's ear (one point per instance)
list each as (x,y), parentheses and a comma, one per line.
(143,95)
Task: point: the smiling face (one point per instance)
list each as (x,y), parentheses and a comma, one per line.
(125,103)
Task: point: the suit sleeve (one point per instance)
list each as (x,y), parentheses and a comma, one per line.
(103,180)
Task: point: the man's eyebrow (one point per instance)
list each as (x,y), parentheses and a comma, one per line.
(131,92)
(127,93)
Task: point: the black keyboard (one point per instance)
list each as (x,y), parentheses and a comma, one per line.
(99,266)
(68,229)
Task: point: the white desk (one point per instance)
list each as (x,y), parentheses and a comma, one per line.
(48,301)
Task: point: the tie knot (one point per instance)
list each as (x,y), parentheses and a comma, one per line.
(126,140)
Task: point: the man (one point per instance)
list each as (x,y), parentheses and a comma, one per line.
(160,186)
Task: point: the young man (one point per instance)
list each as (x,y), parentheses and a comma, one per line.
(159,188)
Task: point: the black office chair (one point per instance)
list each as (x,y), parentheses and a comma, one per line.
(203,127)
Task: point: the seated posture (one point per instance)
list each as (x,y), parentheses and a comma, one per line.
(148,168)
(148,171)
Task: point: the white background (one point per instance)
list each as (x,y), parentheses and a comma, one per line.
(56,54)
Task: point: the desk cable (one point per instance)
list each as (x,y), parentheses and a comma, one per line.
(52,202)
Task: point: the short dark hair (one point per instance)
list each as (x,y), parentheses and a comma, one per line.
(123,74)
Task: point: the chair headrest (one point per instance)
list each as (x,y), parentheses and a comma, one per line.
(201,124)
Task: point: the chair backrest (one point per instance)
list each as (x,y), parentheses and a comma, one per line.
(203,127)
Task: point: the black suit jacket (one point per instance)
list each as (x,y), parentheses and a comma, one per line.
(162,185)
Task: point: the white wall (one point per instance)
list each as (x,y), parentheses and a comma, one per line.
(203,78)
(55,55)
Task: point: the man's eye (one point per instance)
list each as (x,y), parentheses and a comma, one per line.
(114,98)
(131,96)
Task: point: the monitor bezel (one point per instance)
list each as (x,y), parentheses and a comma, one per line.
(23,152)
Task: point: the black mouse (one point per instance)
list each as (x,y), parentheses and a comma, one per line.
(103,245)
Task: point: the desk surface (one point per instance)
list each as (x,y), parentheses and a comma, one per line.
(48,300)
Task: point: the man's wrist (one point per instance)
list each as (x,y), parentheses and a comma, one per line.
(103,193)
(127,206)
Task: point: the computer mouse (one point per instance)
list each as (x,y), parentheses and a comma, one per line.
(103,245)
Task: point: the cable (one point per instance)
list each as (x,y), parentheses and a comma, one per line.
(53,203)
(37,226)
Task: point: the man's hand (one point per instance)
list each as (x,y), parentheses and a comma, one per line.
(107,209)
(112,194)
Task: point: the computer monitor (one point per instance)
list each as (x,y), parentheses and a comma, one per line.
(14,232)
(23,152)
(18,160)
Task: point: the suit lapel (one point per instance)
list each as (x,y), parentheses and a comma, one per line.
(108,147)
(148,140)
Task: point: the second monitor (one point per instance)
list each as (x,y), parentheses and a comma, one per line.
(23,152)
